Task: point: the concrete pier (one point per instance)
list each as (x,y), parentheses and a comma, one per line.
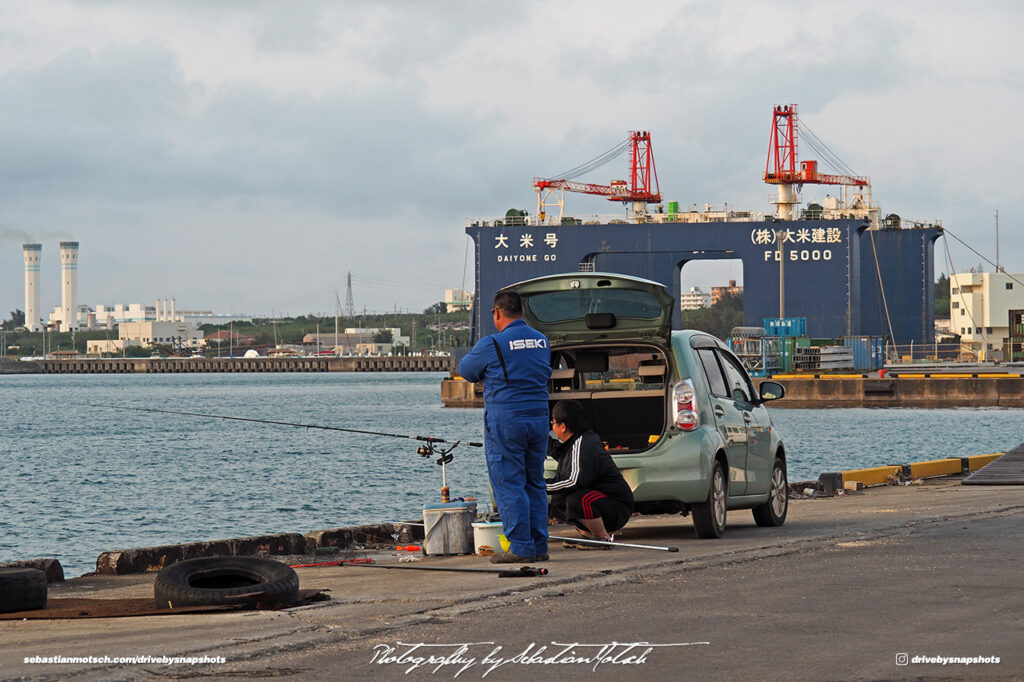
(398,363)
(903,389)
(842,591)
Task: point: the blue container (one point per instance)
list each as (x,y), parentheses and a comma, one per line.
(785,326)
(868,351)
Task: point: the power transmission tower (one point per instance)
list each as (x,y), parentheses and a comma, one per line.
(350,308)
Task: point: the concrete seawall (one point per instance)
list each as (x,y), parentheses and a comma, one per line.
(426,363)
(144,559)
(903,390)
(919,390)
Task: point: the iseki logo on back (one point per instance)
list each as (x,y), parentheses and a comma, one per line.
(520,344)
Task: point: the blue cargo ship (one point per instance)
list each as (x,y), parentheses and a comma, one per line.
(847,276)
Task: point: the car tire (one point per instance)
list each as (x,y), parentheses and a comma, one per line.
(709,516)
(221,581)
(773,512)
(22,589)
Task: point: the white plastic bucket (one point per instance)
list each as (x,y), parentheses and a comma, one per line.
(447,529)
(489,534)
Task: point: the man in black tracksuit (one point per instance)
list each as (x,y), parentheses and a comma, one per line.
(588,490)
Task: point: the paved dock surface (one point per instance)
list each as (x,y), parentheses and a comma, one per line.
(841,591)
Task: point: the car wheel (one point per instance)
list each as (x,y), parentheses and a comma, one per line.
(216,581)
(709,517)
(773,512)
(22,589)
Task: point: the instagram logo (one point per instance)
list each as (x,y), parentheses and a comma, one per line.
(902,659)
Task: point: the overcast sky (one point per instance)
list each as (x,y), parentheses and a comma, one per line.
(244,156)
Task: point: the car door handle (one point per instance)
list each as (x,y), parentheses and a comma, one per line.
(719,411)
(746,417)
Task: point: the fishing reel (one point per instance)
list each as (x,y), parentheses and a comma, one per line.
(430,449)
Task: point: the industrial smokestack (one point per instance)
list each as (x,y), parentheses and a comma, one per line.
(69,285)
(33,253)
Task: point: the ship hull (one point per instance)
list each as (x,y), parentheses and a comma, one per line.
(845,279)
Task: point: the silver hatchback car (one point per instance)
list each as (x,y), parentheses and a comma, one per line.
(676,409)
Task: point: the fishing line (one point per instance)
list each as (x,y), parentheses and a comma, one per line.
(427,439)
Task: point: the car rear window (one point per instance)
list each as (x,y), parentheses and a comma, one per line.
(575,304)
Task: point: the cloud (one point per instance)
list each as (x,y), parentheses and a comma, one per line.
(244,153)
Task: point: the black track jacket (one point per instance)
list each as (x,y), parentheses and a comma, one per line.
(583,464)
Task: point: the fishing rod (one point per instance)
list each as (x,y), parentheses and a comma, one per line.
(429,439)
(608,543)
(431,448)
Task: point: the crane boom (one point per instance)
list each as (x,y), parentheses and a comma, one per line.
(783,169)
(638,191)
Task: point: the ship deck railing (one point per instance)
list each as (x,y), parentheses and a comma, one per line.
(684,217)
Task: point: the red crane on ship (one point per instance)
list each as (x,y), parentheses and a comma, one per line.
(641,189)
(783,169)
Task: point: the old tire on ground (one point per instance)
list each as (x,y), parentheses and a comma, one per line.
(220,581)
(709,516)
(22,589)
(773,512)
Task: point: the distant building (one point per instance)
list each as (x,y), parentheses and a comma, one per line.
(201,317)
(943,331)
(163,332)
(98,347)
(228,337)
(458,299)
(109,316)
(168,329)
(718,292)
(979,309)
(694,299)
(357,340)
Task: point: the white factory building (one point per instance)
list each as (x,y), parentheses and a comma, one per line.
(167,328)
(357,340)
(136,322)
(458,299)
(979,308)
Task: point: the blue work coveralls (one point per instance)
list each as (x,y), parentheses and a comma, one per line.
(516,429)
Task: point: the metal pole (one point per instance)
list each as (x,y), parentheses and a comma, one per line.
(583,541)
(521,570)
(780,235)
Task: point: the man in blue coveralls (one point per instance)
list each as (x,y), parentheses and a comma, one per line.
(514,366)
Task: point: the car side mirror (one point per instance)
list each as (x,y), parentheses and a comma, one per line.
(771,390)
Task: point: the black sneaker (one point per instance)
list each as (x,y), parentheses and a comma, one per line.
(510,558)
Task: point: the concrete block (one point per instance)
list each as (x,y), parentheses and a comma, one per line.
(51,567)
(371,536)
(873,475)
(143,559)
(936,467)
(831,481)
(976,462)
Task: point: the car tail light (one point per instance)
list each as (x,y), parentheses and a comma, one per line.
(684,406)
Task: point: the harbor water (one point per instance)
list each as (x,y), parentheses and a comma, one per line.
(78,477)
